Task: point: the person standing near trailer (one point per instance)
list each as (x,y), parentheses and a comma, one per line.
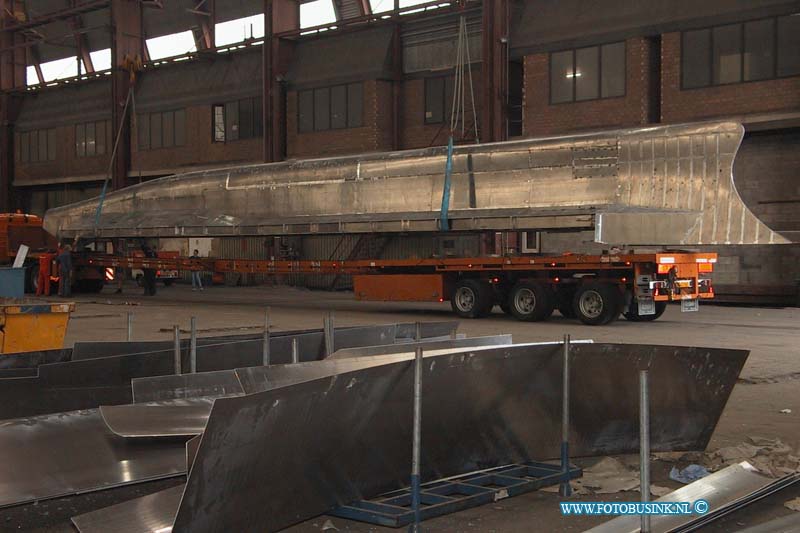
(65,271)
(149,273)
(43,279)
(197,282)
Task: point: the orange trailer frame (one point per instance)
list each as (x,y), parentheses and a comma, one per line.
(528,287)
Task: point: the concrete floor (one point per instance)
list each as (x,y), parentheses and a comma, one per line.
(770,380)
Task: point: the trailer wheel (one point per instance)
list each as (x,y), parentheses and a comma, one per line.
(530,301)
(634,316)
(596,304)
(472,298)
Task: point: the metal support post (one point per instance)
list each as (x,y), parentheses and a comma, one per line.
(417,444)
(565,489)
(193,347)
(176,330)
(130,326)
(295,350)
(328,329)
(644,446)
(265,345)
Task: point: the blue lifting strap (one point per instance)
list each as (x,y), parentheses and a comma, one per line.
(444,223)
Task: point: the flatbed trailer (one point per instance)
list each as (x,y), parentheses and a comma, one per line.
(596,289)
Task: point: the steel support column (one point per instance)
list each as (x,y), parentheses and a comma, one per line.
(206,15)
(494,71)
(12,76)
(279,16)
(397,84)
(127,49)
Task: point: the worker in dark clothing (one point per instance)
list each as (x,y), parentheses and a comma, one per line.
(197,281)
(149,273)
(65,271)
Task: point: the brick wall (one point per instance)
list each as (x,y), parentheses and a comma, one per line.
(67,165)
(199,150)
(633,109)
(415,133)
(679,105)
(374,135)
(767,172)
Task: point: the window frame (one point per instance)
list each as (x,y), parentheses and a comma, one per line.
(214,138)
(443,97)
(742,49)
(600,96)
(312,91)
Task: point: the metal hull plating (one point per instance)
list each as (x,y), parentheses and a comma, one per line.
(480,409)
(89,383)
(675,182)
(70,453)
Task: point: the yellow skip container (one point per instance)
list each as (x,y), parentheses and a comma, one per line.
(29,325)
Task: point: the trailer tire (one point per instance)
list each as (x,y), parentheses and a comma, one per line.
(472,298)
(596,304)
(530,301)
(634,316)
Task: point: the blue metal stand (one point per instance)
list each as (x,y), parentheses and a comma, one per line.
(455,494)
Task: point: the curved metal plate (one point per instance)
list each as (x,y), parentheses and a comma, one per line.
(153,513)
(495,340)
(347,437)
(89,383)
(69,453)
(177,418)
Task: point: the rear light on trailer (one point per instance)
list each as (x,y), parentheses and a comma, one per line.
(556,279)
(109,274)
(624,280)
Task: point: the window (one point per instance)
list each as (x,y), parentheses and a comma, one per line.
(562,72)
(326,108)
(750,51)
(164,129)
(789,45)
(759,56)
(36,146)
(727,54)
(92,138)
(219,123)
(587,73)
(239,119)
(696,54)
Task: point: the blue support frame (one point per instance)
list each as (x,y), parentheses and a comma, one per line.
(439,498)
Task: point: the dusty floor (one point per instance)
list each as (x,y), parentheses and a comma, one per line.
(770,381)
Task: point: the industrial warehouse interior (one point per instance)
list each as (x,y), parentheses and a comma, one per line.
(399,265)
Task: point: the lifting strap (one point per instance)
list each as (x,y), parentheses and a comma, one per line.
(457,112)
